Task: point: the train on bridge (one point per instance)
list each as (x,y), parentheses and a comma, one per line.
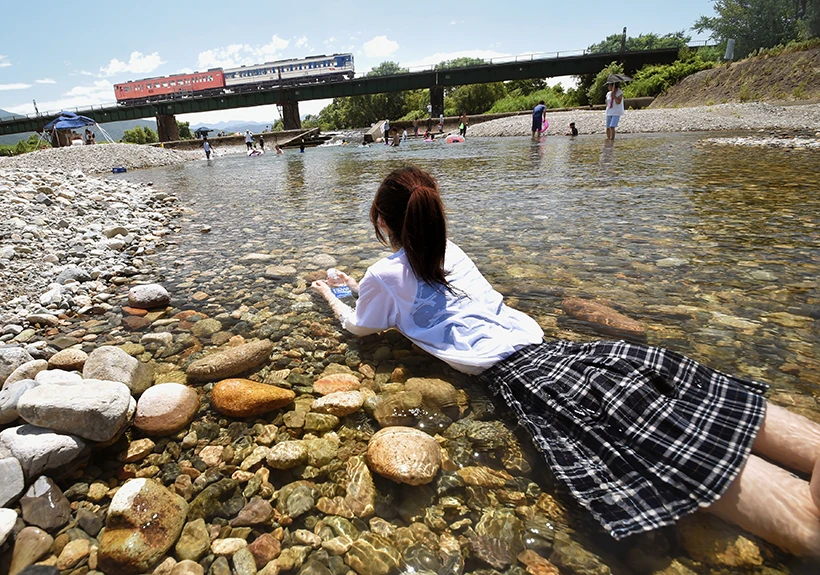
(217,81)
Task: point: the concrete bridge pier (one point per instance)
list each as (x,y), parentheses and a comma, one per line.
(437,100)
(290,116)
(167,128)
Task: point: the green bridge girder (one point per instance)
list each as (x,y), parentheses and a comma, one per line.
(535,68)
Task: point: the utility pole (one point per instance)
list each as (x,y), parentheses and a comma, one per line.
(36,111)
(623,41)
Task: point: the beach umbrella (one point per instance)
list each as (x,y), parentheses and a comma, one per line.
(617,78)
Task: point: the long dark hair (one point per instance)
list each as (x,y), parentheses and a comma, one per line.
(409,204)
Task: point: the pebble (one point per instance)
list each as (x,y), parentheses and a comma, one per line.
(404,454)
(246,398)
(230,362)
(45,506)
(31,545)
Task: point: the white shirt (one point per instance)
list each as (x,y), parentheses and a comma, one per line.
(470,329)
(615,109)
(248,138)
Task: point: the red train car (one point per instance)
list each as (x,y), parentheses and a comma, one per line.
(169,87)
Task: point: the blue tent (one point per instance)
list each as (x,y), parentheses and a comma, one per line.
(69,121)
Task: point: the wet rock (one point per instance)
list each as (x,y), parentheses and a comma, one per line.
(480,476)
(39,449)
(256,512)
(360,493)
(339,403)
(711,541)
(187,567)
(228,546)
(94,410)
(397,409)
(89,521)
(279,272)
(372,554)
(287,454)
(9,398)
(336,382)
(570,557)
(13,482)
(45,506)
(536,564)
(148,296)
(295,499)
(70,359)
(208,503)
(230,362)
(143,522)
(244,562)
(206,328)
(166,408)
(28,370)
(10,359)
(265,549)
(494,552)
(194,541)
(246,398)
(138,449)
(113,364)
(602,315)
(436,394)
(30,546)
(320,422)
(404,455)
(74,552)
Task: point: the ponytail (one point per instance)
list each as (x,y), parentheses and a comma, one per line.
(409,205)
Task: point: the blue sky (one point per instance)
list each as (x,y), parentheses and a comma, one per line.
(65,66)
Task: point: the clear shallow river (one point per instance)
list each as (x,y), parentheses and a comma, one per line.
(715,250)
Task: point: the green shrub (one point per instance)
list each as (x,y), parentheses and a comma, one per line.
(518,102)
(653,80)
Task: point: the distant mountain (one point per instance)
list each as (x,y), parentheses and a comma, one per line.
(231,126)
(6,114)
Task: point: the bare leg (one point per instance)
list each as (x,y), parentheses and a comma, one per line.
(789,439)
(773,504)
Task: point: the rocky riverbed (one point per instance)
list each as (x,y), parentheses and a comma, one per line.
(143,431)
(723,117)
(98,159)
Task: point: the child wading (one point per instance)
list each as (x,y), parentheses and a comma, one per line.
(641,436)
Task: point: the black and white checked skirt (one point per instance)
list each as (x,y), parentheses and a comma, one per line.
(640,435)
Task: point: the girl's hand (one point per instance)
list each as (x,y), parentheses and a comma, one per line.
(349,281)
(321,287)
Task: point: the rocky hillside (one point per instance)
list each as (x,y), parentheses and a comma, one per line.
(782,78)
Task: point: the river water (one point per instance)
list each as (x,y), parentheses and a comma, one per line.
(715,250)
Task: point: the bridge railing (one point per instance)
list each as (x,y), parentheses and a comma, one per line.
(83,110)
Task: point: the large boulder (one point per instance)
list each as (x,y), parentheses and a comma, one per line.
(230,362)
(94,410)
(144,520)
(113,364)
(13,480)
(10,359)
(246,398)
(39,449)
(166,408)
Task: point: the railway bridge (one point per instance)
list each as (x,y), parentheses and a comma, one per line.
(289,96)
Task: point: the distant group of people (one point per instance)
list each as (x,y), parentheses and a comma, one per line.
(89,137)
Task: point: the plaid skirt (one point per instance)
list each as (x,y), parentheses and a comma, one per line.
(640,435)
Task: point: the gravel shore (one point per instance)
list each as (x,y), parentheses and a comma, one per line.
(723,117)
(98,159)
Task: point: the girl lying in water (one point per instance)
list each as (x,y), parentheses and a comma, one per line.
(640,435)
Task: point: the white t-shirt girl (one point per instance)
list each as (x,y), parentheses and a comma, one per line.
(470,329)
(613,108)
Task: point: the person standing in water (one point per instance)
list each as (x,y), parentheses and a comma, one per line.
(614,108)
(248,139)
(537,118)
(640,435)
(462,124)
(261,142)
(206,145)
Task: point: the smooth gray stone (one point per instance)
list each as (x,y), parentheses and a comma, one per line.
(9,398)
(40,449)
(45,506)
(13,482)
(10,359)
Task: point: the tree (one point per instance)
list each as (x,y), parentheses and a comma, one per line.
(460,63)
(474,98)
(184,130)
(387,68)
(612,43)
(755,24)
(526,86)
(140,135)
(597,91)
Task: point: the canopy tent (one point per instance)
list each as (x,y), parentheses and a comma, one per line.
(71,121)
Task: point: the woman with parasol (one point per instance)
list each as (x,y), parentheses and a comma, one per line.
(614,103)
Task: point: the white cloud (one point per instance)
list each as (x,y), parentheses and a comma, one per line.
(4,63)
(301,42)
(242,54)
(46,81)
(439,57)
(380,47)
(329,41)
(17,86)
(100,92)
(139,63)
(185,71)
